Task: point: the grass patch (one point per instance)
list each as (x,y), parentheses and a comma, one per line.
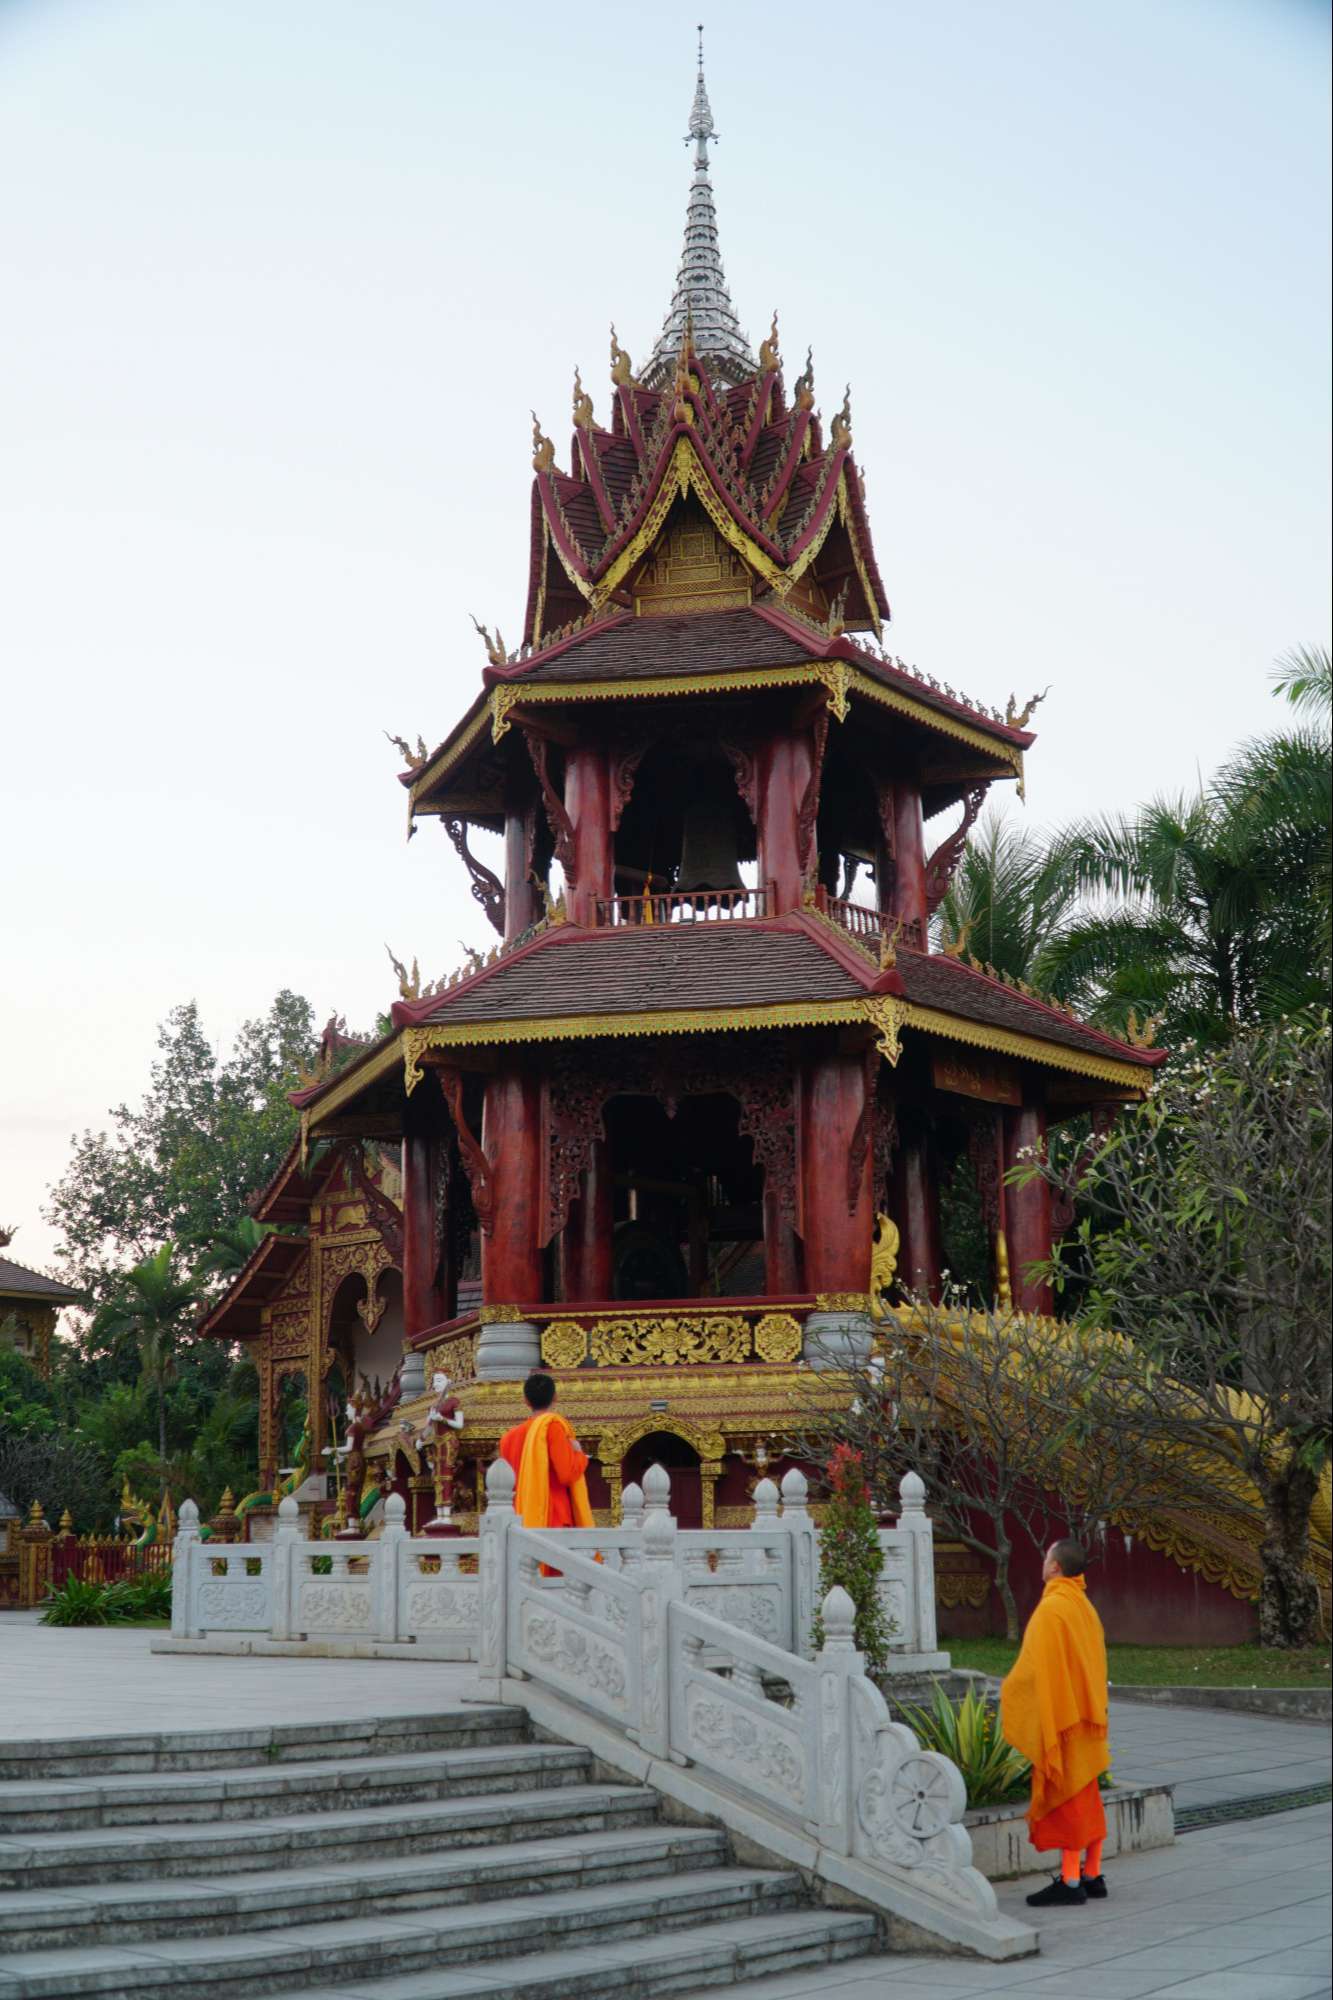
(1175,1666)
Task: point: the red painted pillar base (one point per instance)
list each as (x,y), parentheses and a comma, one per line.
(588,803)
(909,889)
(1027,1210)
(784,772)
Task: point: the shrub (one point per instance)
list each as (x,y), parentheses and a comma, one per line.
(850,1555)
(138,1597)
(77,1603)
(969,1735)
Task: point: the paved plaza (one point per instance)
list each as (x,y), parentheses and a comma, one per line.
(1239,1911)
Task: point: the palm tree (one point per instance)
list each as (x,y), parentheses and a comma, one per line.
(230,1248)
(149,1312)
(1008,901)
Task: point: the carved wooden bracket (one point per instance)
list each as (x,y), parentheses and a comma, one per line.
(744,764)
(471,1152)
(562,827)
(487,889)
(943,863)
(385,1214)
(625,761)
(809,807)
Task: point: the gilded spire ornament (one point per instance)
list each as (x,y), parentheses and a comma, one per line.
(1019,718)
(804,389)
(621,372)
(701,299)
(582,404)
(769,357)
(840,430)
(543,451)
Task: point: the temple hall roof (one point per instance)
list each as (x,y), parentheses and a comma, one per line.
(17,1281)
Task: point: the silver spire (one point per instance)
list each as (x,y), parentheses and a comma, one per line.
(701,301)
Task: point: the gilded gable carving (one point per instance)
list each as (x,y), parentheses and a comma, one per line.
(690,568)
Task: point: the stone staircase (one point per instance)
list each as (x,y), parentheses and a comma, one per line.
(414,1858)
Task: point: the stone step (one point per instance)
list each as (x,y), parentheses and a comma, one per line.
(283,1841)
(134,1912)
(277,1743)
(430,1940)
(254,1791)
(644,1968)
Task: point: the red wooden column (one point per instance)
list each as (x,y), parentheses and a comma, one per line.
(423,1304)
(522,908)
(1027,1210)
(837,1202)
(588,803)
(782,1249)
(511,1256)
(784,767)
(587,1239)
(916,1206)
(909,891)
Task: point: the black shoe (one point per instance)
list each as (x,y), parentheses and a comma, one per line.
(1056,1893)
(1094,1888)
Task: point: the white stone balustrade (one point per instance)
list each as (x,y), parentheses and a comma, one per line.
(799,1754)
(398,1590)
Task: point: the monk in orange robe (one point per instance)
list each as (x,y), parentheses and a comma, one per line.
(549,1468)
(1053,1709)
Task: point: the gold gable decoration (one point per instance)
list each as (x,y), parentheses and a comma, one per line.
(690,569)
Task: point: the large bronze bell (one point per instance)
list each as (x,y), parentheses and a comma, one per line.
(708,843)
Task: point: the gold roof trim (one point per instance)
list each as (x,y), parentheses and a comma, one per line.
(685,475)
(1006,1041)
(444,760)
(840,677)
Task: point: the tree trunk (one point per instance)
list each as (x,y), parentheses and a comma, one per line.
(1012,1628)
(1288,1594)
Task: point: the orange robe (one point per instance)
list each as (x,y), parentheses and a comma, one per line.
(549,1469)
(1053,1709)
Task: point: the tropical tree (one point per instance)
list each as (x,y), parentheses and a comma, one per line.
(1209,911)
(229,1248)
(149,1315)
(1009,901)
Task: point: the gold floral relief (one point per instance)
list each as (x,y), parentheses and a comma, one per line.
(670,1342)
(564,1344)
(777,1337)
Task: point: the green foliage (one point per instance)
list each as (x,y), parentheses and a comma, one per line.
(182,1164)
(130,1601)
(76,1603)
(968,1733)
(850,1555)
(1010,899)
(26,1402)
(148,1313)
(61,1469)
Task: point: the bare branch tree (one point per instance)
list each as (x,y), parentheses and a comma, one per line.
(1204,1237)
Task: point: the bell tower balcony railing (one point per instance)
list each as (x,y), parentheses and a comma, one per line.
(685,906)
(864,922)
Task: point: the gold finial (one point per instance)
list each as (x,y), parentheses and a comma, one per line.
(954,947)
(495,647)
(36,1518)
(582,404)
(412,758)
(543,451)
(1142,1037)
(768,350)
(409,983)
(67,1523)
(804,390)
(840,430)
(888,946)
(1019,718)
(621,371)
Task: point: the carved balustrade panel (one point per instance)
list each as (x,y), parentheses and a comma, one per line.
(331,1591)
(437,1593)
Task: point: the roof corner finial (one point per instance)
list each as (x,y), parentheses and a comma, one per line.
(621,372)
(840,431)
(769,357)
(582,403)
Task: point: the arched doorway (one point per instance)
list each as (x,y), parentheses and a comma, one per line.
(681,1461)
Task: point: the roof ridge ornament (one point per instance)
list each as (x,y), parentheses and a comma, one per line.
(622,372)
(701,293)
(582,403)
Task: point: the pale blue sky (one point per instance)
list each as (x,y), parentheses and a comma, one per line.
(283,277)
